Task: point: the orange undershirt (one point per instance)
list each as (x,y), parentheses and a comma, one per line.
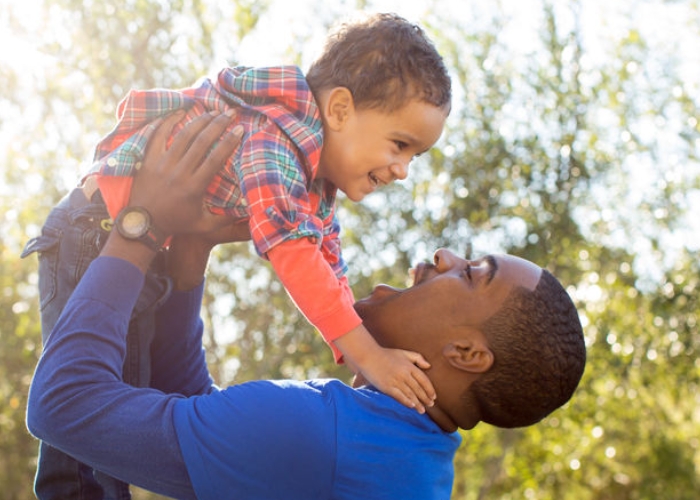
(326,301)
(115,192)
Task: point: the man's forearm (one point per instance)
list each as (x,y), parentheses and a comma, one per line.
(187,260)
(134,252)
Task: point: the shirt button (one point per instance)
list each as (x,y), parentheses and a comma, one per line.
(112,161)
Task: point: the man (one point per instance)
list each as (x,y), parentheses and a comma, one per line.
(502,337)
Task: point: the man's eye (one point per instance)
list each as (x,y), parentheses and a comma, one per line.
(468,272)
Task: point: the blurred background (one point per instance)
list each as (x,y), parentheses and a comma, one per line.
(573,141)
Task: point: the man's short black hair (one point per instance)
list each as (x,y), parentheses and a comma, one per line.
(539,356)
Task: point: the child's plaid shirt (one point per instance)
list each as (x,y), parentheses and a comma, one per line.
(270,181)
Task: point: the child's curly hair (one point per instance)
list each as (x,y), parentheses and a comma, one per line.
(384,61)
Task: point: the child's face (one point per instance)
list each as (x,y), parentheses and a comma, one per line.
(369,148)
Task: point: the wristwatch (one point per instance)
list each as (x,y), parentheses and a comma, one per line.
(134,223)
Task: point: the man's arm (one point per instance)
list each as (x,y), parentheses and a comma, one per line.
(178,358)
(77,401)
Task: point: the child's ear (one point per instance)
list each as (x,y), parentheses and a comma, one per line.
(338,107)
(468,355)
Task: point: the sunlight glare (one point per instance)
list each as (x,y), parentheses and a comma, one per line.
(19,21)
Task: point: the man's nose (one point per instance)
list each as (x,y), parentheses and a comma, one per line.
(399,170)
(445,260)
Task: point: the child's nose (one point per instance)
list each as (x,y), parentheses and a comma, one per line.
(399,170)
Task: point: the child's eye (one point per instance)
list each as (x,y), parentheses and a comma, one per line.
(401,145)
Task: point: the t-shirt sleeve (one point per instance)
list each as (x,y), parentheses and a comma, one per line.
(177,355)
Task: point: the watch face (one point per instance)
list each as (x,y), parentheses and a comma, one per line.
(134,224)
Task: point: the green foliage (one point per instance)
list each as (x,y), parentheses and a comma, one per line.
(20,340)
(580,153)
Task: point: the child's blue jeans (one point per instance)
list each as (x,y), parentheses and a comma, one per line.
(73,235)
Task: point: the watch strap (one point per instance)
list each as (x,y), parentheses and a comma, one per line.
(153,239)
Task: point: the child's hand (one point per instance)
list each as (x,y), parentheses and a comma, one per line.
(395,372)
(399,374)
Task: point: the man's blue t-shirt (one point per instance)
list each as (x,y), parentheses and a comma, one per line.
(314,439)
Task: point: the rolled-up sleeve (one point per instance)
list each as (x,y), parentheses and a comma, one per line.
(275,188)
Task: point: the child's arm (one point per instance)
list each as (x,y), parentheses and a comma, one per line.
(327,303)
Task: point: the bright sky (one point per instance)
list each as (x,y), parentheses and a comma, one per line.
(19,51)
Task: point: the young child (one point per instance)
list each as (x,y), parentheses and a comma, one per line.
(377,97)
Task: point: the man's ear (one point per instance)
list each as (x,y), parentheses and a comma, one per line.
(468,355)
(338,107)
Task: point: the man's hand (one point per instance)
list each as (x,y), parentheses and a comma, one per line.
(395,372)
(172,181)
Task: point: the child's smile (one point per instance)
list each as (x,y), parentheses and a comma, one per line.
(371,148)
